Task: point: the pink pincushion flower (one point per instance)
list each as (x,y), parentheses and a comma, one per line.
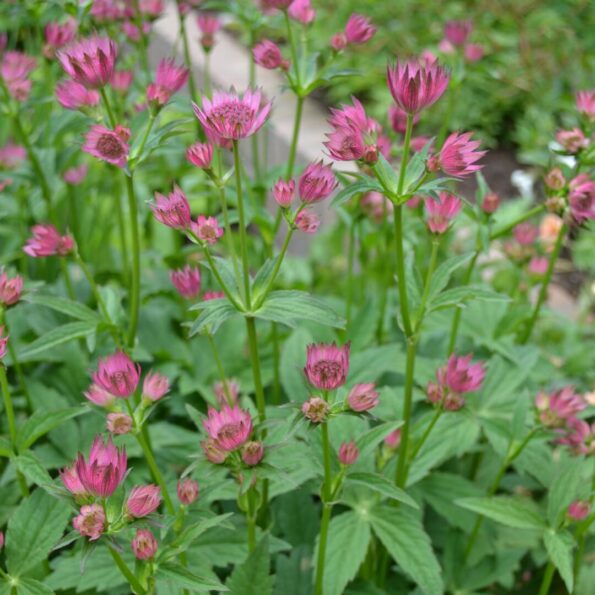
(307,221)
(72,95)
(72,482)
(473,52)
(359,29)
(155,386)
(224,391)
(186,281)
(99,396)
(415,86)
(90,522)
(172,210)
(47,241)
(58,35)
(398,119)
(108,145)
(327,365)
(11,155)
(582,197)
(268,55)
(213,452)
(348,453)
(3,343)
(579,510)
(439,213)
(579,436)
(230,428)
(144,545)
(169,79)
(555,409)
(121,80)
(105,469)
(283,192)
(585,103)
(363,397)
(117,374)
(118,423)
(207,229)
(143,500)
(457,32)
(90,61)
(573,140)
(316,183)
(462,376)
(14,70)
(302,11)
(200,154)
(231,116)
(187,491)
(252,453)
(10,289)
(525,233)
(315,409)
(209,25)
(76,175)
(458,156)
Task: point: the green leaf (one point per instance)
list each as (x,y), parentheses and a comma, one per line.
(571,483)
(359,187)
(181,576)
(29,586)
(262,278)
(64,306)
(459,295)
(33,530)
(508,510)
(252,577)
(382,485)
(215,313)
(293,358)
(442,275)
(415,169)
(402,534)
(559,547)
(348,539)
(32,468)
(41,422)
(191,533)
(387,175)
(368,441)
(57,336)
(5,447)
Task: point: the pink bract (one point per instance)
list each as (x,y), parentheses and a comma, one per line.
(90,61)
(327,365)
(47,241)
(143,500)
(440,212)
(186,281)
(90,521)
(230,427)
(172,210)
(117,374)
(108,145)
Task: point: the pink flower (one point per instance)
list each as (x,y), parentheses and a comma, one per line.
(58,35)
(458,156)
(491,202)
(10,289)
(90,521)
(121,80)
(457,32)
(316,183)
(439,213)
(118,423)
(307,221)
(11,155)
(76,175)
(359,29)
(398,119)
(573,140)
(209,24)
(555,409)
(419,142)
(155,386)
(302,11)
(207,229)
(71,481)
(72,95)
(363,397)
(186,281)
(46,241)
(579,510)
(315,409)
(200,154)
(268,55)
(168,80)
(172,210)
(327,365)
(462,376)
(473,52)
(538,266)
(106,10)
(105,469)
(252,453)
(108,145)
(230,428)
(446,47)
(224,391)
(415,86)
(90,61)
(143,500)
(151,8)
(555,179)
(579,437)
(99,396)
(393,439)
(3,343)
(187,491)
(376,206)
(525,233)
(582,197)
(338,41)
(213,452)
(144,545)
(117,374)
(231,116)
(14,70)
(585,103)
(348,453)
(283,192)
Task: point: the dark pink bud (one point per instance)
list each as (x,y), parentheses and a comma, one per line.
(143,500)
(172,210)
(316,183)
(393,439)
(267,54)
(315,409)
(187,491)
(339,41)
(363,397)
(155,386)
(47,241)
(186,281)
(348,453)
(283,192)
(200,154)
(457,32)
(491,202)
(579,510)
(252,453)
(144,544)
(10,289)
(359,30)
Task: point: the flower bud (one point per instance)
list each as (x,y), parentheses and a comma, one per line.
(90,521)
(252,452)
(491,202)
(579,510)
(119,423)
(348,453)
(363,397)
(143,500)
(187,491)
(393,439)
(144,544)
(213,452)
(315,409)
(155,386)
(200,154)
(555,179)
(283,192)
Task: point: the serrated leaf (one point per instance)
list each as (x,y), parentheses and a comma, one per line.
(387,175)
(359,187)
(442,274)
(41,422)
(381,485)
(559,547)
(64,306)
(191,533)
(32,468)
(214,314)
(459,295)
(55,337)
(571,483)
(252,577)
(30,586)
(183,577)
(511,511)
(368,441)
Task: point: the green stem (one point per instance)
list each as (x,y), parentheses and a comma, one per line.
(219,279)
(545,284)
(255,361)
(108,108)
(220,369)
(454,329)
(292,47)
(524,217)
(126,572)
(135,284)
(326,510)
(548,575)
(350,262)
(385,272)
(400,266)
(187,60)
(251,522)
(276,363)
(425,435)
(228,236)
(148,129)
(67,280)
(299,108)
(449,109)
(405,158)
(426,293)
(123,242)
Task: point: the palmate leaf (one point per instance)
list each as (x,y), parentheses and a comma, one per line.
(182,577)
(252,577)
(519,513)
(214,314)
(380,484)
(359,187)
(41,422)
(64,306)
(559,547)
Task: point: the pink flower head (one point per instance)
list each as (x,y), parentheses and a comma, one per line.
(151,8)
(302,11)
(104,470)
(525,233)
(117,374)
(435,391)
(143,500)
(15,69)
(213,452)
(209,25)
(73,95)
(573,140)
(585,103)
(207,229)
(252,453)
(316,183)
(99,396)
(439,213)
(3,343)
(393,439)
(473,52)
(221,390)
(457,32)
(121,80)
(118,423)
(200,154)
(230,428)
(108,145)
(348,453)
(491,202)
(376,206)
(555,409)
(359,29)
(90,61)
(338,41)
(579,510)
(582,197)
(458,156)
(169,79)
(315,409)
(231,116)
(71,481)
(538,266)
(106,10)
(579,437)
(415,86)
(555,179)
(46,241)
(462,376)
(307,221)
(90,522)
(155,386)
(58,35)
(398,119)
(76,175)
(363,397)
(172,210)
(144,545)
(11,155)
(327,365)
(283,192)
(186,281)
(10,289)
(187,491)
(268,55)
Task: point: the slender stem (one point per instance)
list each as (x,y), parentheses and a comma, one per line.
(401,475)
(548,575)
(426,293)
(292,47)
(385,271)
(228,236)
(276,363)
(299,108)
(127,573)
(255,361)
(454,329)
(545,284)
(219,279)
(67,280)
(135,281)
(403,300)
(187,59)
(123,242)
(148,129)
(108,107)
(220,369)
(251,522)
(326,510)
(350,262)
(74,217)
(528,215)
(425,435)
(405,158)
(448,116)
